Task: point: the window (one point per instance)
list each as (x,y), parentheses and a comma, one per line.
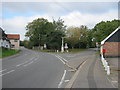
(15,40)
(6,46)
(12,46)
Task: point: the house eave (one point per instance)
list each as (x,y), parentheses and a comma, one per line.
(102,42)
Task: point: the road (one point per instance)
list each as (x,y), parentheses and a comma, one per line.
(31,69)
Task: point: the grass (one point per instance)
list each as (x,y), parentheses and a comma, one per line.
(98,53)
(70,51)
(4,52)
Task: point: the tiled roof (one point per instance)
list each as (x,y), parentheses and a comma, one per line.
(13,36)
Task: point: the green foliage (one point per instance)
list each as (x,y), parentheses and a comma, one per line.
(21,43)
(28,44)
(41,31)
(103,29)
(77,37)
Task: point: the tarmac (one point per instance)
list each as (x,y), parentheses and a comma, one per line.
(90,73)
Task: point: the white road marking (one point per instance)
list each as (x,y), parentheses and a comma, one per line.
(3,70)
(24,62)
(7,72)
(114,81)
(60,59)
(28,63)
(62,80)
(69,85)
(111,82)
(63,58)
(21,64)
(66,80)
(71,70)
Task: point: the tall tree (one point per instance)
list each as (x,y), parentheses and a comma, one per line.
(103,29)
(77,36)
(40,31)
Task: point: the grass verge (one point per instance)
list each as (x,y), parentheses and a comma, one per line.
(4,52)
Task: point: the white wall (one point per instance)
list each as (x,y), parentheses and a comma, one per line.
(4,43)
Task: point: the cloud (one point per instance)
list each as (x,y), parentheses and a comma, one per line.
(55,8)
(76,18)
(74,14)
(59,0)
(17,24)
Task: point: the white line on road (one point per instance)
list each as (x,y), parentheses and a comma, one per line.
(24,62)
(66,80)
(69,85)
(3,70)
(63,58)
(7,72)
(62,80)
(110,82)
(21,64)
(28,63)
(60,59)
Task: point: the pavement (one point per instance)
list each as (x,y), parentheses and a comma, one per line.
(114,68)
(90,73)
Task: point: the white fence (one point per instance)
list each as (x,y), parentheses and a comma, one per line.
(105,64)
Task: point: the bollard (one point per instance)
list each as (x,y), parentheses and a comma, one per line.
(106,64)
(108,70)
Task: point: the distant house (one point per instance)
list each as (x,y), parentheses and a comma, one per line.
(14,40)
(4,41)
(110,46)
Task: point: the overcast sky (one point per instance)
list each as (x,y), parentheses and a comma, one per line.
(16,15)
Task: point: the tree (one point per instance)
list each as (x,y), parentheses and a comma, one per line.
(103,29)
(40,31)
(77,36)
(37,30)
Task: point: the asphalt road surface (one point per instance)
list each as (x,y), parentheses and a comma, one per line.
(31,69)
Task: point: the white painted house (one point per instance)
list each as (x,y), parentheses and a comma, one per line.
(4,42)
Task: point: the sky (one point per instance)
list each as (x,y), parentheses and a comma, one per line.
(14,16)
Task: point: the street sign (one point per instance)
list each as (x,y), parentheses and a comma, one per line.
(66,47)
(45,46)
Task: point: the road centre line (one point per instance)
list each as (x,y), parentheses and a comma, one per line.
(24,62)
(62,80)
(28,63)
(7,72)
(21,64)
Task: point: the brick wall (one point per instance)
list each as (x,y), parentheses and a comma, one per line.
(112,48)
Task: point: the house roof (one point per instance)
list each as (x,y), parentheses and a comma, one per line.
(110,35)
(13,36)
